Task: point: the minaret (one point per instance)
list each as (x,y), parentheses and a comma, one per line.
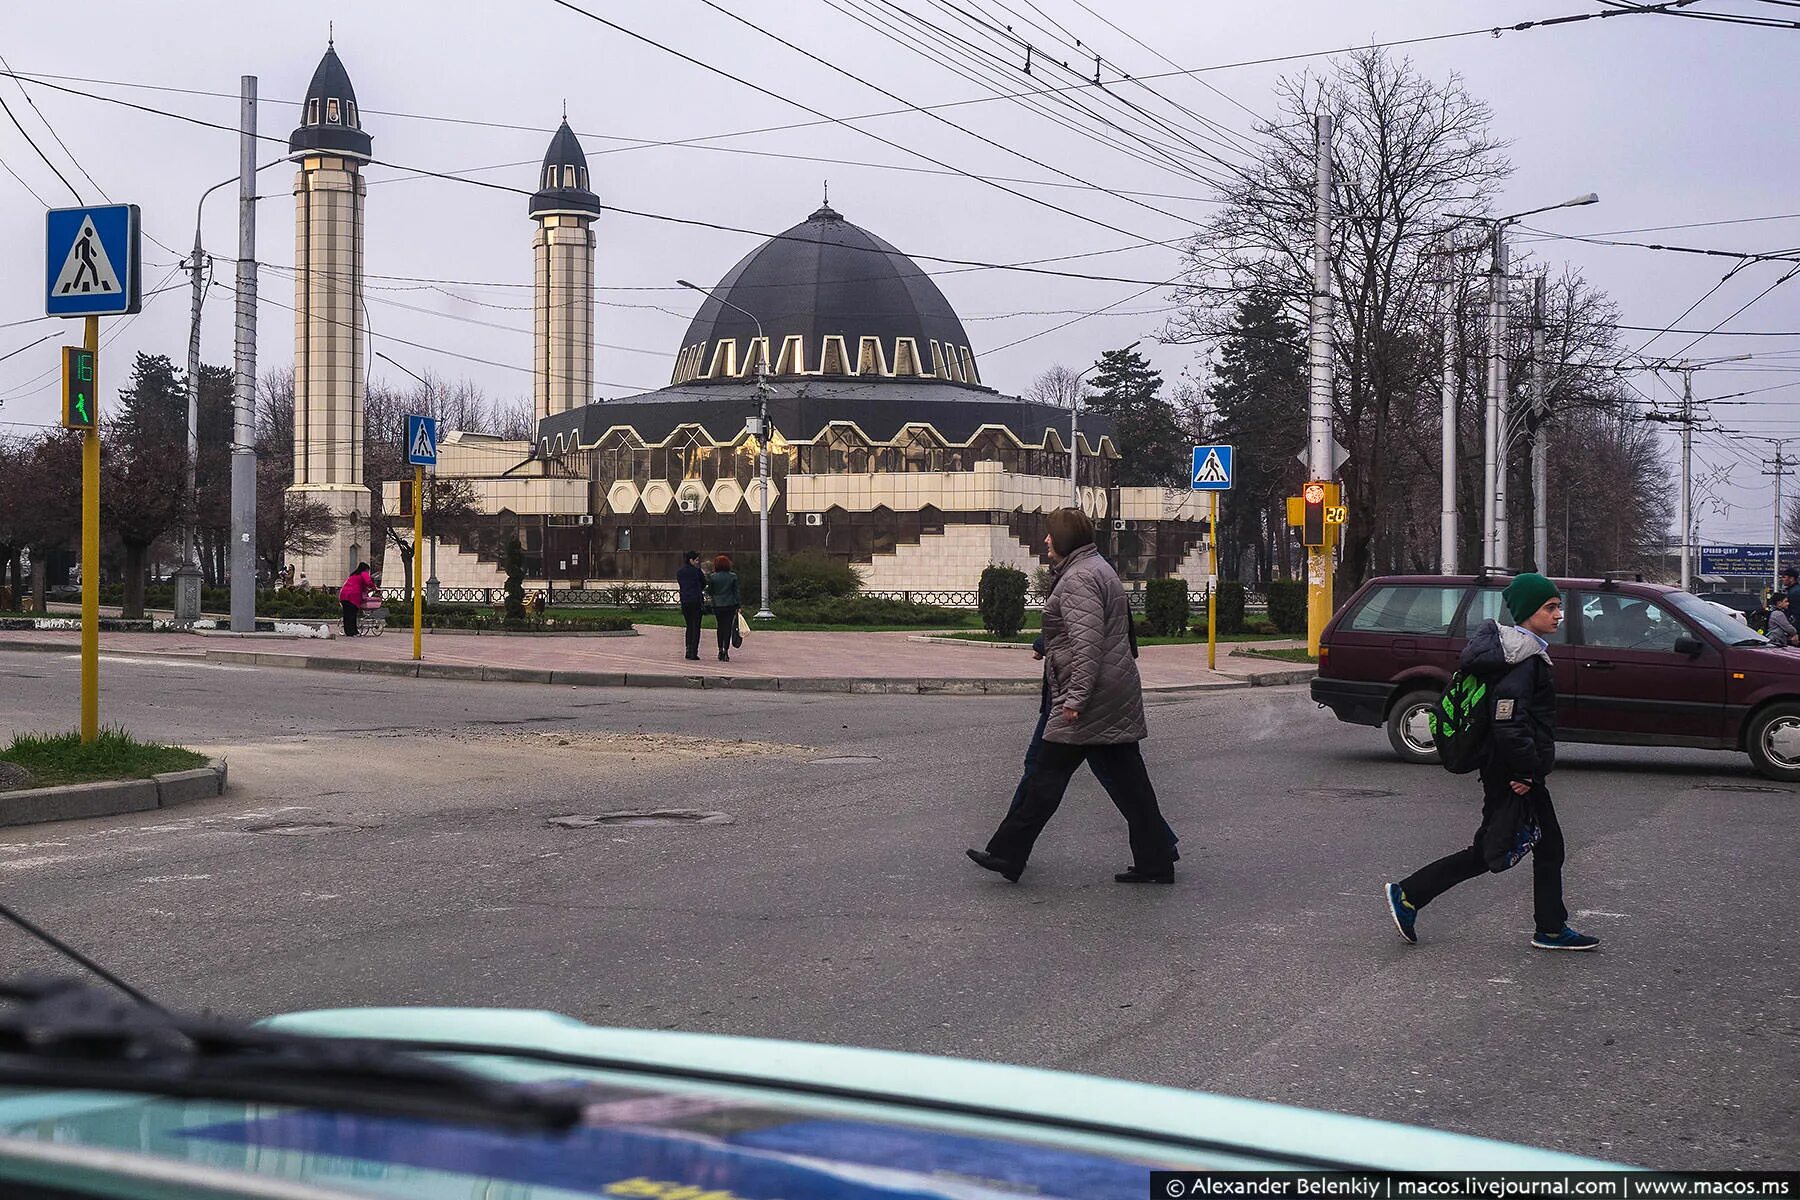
(562,252)
(330,147)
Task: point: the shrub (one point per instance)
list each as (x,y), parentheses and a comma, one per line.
(860,610)
(514,566)
(1231,606)
(1001,598)
(1287,605)
(1042,580)
(636,596)
(1166,607)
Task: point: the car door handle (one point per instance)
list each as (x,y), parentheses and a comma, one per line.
(1598,666)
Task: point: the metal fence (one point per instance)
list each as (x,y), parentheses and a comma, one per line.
(643,596)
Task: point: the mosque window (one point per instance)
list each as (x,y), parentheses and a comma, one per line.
(568,176)
(312,111)
(350,108)
(332,113)
(550,176)
(581,177)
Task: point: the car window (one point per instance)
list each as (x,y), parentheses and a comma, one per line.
(1614,622)
(1408,608)
(1725,628)
(1487,606)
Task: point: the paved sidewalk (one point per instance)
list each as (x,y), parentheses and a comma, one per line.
(869,662)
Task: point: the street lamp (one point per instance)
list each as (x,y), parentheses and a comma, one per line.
(430,498)
(761,431)
(1494,537)
(1074,429)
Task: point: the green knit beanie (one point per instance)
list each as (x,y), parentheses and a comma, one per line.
(1526,594)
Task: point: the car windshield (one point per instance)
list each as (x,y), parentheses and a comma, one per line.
(1712,620)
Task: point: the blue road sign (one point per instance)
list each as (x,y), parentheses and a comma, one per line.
(1745,560)
(1212,469)
(421,441)
(91,261)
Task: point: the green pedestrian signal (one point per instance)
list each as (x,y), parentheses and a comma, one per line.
(78,389)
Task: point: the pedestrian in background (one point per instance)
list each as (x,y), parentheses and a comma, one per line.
(690,582)
(354,593)
(1096,712)
(1781,622)
(1515,662)
(1790,586)
(722,587)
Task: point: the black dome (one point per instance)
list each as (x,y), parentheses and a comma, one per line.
(329,120)
(563,179)
(826,279)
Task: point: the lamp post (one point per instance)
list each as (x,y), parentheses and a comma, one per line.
(1075,430)
(431,584)
(761,431)
(1493,504)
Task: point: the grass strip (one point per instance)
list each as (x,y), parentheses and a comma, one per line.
(55,759)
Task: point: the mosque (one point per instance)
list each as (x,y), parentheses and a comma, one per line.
(885,447)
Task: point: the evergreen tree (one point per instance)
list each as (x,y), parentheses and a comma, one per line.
(1257,403)
(1152,448)
(142,466)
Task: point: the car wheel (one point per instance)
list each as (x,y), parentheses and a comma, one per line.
(1409,726)
(1774,742)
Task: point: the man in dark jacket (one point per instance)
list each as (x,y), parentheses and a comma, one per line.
(692,582)
(1790,583)
(1515,661)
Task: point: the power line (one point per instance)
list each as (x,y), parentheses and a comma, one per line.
(30,141)
(54,134)
(43,203)
(1076,320)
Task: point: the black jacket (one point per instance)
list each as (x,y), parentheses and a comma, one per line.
(1522,689)
(692,582)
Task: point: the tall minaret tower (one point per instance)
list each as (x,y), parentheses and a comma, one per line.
(563,256)
(330,147)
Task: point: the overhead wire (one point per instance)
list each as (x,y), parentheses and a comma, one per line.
(32,142)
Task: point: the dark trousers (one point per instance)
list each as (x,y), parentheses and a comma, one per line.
(1126,782)
(690,612)
(1101,767)
(351,612)
(1434,879)
(727,625)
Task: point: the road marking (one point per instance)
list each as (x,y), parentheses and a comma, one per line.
(123,660)
(1594,912)
(174,878)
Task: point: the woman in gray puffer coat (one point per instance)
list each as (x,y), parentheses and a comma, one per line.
(1096,711)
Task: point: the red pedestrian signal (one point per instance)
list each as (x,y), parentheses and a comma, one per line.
(1312,527)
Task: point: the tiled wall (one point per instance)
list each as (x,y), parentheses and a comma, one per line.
(952,560)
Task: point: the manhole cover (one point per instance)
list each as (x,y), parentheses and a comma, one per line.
(1350,793)
(645,816)
(840,760)
(1761,789)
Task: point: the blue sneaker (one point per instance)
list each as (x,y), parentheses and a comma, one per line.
(1568,939)
(1403,912)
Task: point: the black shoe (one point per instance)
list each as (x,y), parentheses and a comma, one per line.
(1139,875)
(996,864)
(693,658)
(724,657)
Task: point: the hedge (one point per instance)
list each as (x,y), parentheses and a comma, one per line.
(1287,605)
(1001,598)
(1166,607)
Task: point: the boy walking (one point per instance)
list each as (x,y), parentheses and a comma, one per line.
(1514,660)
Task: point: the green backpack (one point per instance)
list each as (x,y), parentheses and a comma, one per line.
(1462,723)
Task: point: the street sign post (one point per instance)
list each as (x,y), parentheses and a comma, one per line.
(1212,473)
(421,452)
(91,261)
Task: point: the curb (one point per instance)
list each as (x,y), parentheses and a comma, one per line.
(75,801)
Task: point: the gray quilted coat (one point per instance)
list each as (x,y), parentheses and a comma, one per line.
(1087,656)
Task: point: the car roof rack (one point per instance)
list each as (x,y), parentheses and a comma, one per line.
(1611,579)
(1486,573)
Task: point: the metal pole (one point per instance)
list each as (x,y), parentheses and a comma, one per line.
(1490,485)
(243,433)
(431,584)
(1074,444)
(1447,522)
(762,470)
(90,556)
(1212,590)
(1687,474)
(1319,439)
(418,593)
(1540,449)
(187,583)
(1775,544)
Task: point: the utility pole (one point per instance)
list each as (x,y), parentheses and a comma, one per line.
(243,424)
(1778,467)
(1687,476)
(1494,540)
(187,574)
(1447,524)
(1320,443)
(1539,428)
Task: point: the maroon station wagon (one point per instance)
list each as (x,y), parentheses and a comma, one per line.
(1637,664)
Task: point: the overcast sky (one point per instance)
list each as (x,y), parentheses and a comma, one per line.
(1672,121)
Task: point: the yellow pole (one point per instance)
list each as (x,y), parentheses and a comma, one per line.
(418,561)
(90,557)
(1318,592)
(1212,591)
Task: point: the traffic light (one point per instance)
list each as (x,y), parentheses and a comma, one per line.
(79,393)
(1312,526)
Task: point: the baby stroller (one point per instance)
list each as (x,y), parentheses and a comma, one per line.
(374,616)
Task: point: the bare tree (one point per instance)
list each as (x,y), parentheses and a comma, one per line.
(1056,385)
(514,419)
(451,506)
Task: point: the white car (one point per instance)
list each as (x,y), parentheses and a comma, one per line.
(1729,611)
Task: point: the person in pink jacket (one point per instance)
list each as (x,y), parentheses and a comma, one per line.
(355,591)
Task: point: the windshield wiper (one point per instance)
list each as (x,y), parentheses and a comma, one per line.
(62,1033)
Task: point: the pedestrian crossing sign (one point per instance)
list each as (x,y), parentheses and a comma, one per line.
(91,261)
(1212,468)
(421,441)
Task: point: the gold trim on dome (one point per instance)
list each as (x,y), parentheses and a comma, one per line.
(1052,439)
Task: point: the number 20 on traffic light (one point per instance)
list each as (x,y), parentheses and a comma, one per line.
(78,388)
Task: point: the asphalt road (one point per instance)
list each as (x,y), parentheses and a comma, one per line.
(391,842)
